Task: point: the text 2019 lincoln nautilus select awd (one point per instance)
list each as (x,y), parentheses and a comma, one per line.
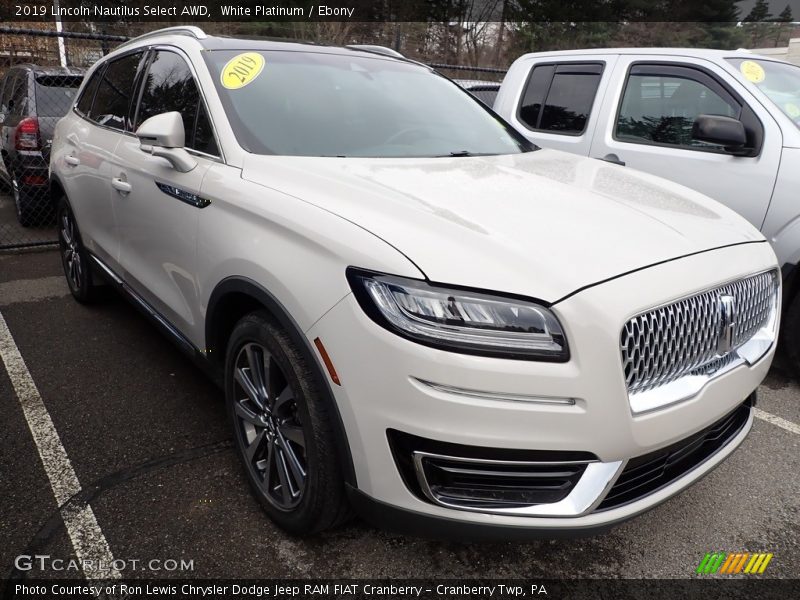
(414,312)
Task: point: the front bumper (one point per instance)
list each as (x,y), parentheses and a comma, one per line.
(381,391)
(452,527)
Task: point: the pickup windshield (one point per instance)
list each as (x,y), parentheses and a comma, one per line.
(321,104)
(780,82)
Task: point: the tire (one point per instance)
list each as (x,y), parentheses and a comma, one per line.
(283,432)
(790,333)
(74,257)
(5,184)
(23,204)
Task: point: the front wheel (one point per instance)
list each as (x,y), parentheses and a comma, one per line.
(282,428)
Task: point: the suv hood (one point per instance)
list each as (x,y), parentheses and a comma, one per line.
(540,224)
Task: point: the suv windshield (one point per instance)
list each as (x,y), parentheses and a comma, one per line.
(54,94)
(780,82)
(317,104)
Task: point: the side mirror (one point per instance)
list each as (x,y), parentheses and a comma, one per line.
(723,131)
(163,135)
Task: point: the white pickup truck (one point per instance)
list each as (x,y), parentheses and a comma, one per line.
(726,123)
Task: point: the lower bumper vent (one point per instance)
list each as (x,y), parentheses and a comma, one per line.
(649,473)
(476,478)
(488,485)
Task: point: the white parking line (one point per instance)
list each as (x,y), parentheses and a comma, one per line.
(87,538)
(776,420)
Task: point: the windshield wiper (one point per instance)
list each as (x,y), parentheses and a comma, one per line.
(462,153)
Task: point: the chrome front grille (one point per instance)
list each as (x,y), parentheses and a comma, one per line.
(683,338)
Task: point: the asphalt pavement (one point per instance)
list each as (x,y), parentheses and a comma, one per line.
(147,438)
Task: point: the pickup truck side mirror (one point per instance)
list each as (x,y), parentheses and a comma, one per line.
(163,135)
(723,131)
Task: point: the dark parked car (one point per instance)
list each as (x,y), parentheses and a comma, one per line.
(485,91)
(32,100)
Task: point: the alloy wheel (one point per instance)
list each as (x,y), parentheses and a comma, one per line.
(73,266)
(15,192)
(269,427)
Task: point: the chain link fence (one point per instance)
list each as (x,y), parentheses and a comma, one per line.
(40,72)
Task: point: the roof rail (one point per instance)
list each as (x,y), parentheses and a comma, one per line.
(376,49)
(189,30)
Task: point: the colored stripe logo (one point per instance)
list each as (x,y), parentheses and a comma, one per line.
(733,563)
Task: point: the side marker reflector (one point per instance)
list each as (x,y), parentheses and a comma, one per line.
(327,360)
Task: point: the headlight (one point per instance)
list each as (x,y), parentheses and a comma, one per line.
(460,320)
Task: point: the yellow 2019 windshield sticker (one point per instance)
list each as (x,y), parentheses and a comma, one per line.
(241,70)
(752,71)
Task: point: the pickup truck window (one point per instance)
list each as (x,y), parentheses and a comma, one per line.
(780,82)
(558,97)
(661,103)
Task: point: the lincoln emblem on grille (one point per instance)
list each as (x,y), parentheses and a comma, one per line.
(727,321)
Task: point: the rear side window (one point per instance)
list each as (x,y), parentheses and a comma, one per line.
(84,105)
(170,86)
(486,94)
(18,102)
(113,98)
(559,98)
(5,91)
(54,93)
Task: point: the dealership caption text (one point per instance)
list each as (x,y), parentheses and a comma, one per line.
(193,10)
(278,590)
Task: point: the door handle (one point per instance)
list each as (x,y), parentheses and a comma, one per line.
(72,160)
(613,158)
(122,186)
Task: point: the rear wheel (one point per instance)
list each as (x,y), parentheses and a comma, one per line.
(74,257)
(26,215)
(283,432)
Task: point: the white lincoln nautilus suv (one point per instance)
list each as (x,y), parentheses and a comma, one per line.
(415,314)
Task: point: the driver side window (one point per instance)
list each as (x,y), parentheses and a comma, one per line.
(660,105)
(169,86)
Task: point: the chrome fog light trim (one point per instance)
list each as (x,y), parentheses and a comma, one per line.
(593,485)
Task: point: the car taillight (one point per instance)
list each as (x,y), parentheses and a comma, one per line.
(27,136)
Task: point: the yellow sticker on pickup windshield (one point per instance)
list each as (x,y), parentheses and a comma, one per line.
(752,71)
(241,70)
